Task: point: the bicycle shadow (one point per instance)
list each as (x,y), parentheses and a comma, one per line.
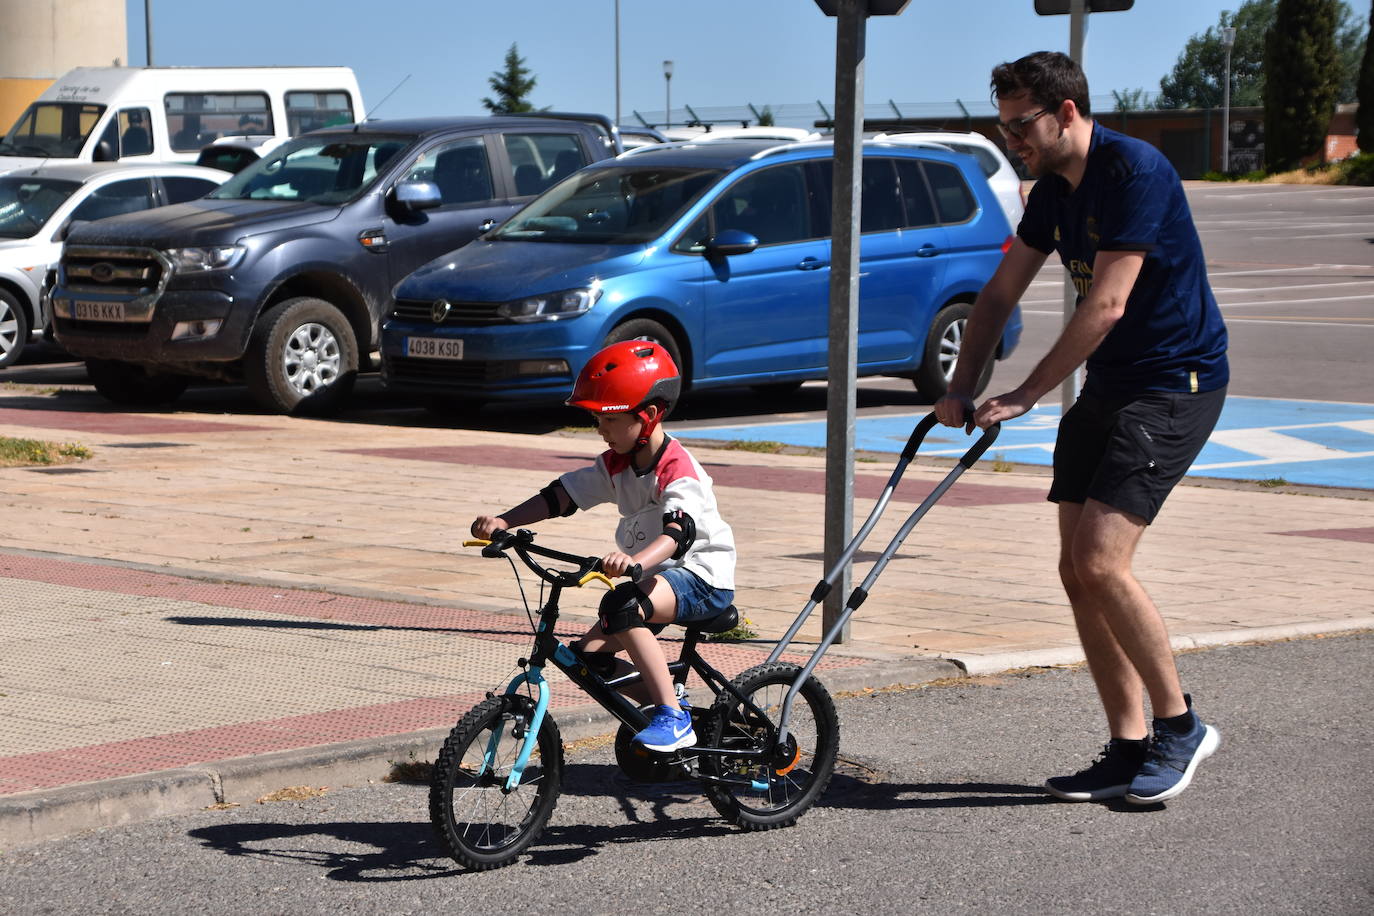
(395,851)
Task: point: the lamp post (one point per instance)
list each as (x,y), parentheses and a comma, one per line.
(1228,38)
(667,94)
(617,63)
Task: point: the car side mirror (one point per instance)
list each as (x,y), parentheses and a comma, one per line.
(414,196)
(731,241)
(103,152)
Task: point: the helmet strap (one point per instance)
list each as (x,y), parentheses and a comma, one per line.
(647,426)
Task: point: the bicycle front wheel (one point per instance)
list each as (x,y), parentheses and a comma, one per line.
(482,823)
(762,794)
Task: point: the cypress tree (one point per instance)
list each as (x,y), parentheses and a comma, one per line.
(1364,92)
(1301,81)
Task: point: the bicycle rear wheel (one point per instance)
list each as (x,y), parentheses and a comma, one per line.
(774,793)
(481,823)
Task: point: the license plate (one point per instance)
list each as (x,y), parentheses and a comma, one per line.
(98,311)
(434,347)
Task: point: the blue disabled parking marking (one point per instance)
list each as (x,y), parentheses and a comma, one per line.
(1308,442)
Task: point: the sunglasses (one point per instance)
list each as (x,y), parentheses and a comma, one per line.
(1017,128)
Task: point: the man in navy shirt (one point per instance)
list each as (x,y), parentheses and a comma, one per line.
(1151,333)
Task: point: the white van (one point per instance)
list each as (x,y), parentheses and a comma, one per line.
(167,114)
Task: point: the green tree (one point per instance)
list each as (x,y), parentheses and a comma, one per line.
(1351,37)
(1364,118)
(1195,81)
(766,118)
(511,85)
(1128,100)
(1300,92)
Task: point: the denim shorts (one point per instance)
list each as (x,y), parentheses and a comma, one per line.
(696,599)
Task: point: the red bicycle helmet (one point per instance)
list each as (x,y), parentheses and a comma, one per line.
(624,378)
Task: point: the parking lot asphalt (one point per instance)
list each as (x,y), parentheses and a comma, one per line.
(213,607)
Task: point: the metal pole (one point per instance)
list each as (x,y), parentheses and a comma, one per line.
(617,62)
(1078,26)
(667,94)
(148,28)
(1228,38)
(844,301)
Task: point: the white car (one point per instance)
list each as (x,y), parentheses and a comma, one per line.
(1006,184)
(38,204)
(752,132)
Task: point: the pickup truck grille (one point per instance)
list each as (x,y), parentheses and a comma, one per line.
(135,271)
(460,313)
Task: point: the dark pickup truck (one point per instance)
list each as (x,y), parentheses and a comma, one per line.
(280,277)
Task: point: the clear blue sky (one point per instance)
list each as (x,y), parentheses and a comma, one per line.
(726,52)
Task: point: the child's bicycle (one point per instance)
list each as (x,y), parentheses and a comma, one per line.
(762,761)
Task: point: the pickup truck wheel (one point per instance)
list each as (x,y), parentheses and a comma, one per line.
(126,383)
(943,345)
(14,329)
(302,358)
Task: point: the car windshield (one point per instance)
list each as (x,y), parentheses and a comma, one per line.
(56,129)
(26,204)
(328,171)
(620,205)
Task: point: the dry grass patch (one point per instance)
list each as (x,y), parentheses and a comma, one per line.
(22,453)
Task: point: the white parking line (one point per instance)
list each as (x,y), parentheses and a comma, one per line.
(1287,301)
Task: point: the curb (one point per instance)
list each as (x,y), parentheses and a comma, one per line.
(48,814)
(976,666)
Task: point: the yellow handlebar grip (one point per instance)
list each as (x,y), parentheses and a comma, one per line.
(476,543)
(596,577)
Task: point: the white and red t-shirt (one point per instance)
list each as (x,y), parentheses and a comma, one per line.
(674,481)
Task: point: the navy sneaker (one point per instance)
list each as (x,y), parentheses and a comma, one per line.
(1172,761)
(1109,776)
(669,729)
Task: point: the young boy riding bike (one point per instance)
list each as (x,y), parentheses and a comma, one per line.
(669,525)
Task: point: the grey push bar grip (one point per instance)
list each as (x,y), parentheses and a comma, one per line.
(929,421)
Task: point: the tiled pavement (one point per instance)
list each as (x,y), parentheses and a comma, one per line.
(211,587)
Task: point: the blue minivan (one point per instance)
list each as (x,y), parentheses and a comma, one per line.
(718,251)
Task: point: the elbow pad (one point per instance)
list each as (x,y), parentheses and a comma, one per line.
(685,534)
(551,499)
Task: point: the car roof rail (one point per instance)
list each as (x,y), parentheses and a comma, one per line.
(607,126)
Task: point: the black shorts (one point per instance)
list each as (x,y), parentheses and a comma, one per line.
(1130,452)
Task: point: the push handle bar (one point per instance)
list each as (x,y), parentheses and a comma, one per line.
(970,458)
(588,569)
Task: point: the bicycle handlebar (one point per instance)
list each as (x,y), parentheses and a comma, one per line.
(522,542)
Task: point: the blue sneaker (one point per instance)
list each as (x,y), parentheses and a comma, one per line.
(1172,761)
(1109,776)
(669,729)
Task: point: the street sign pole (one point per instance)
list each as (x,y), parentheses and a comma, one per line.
(850,28)
(1078,27)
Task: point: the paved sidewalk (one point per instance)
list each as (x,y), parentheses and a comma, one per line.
(214,607)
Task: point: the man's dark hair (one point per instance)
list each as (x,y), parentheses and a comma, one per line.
(1049,77)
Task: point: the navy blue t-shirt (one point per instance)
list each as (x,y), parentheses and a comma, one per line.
(1171,337)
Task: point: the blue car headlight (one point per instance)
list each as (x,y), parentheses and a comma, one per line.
(552,306)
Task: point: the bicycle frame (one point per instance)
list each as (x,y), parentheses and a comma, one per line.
(607,693)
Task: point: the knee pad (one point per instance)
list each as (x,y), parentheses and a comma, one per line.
(624,607)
